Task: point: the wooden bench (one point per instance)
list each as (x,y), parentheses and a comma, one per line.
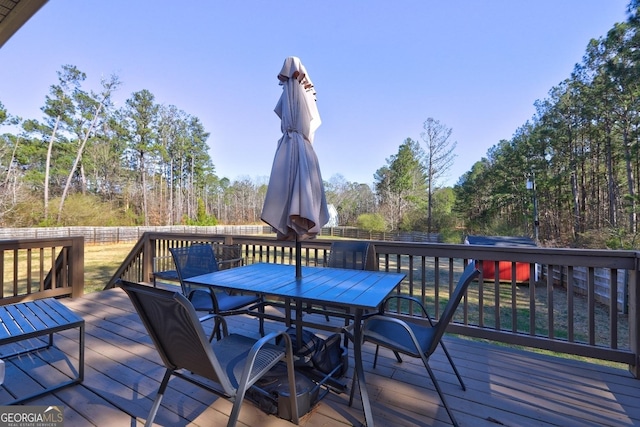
(36,319)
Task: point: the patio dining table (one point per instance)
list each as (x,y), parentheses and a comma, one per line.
(354,290)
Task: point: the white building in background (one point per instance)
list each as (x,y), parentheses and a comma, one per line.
(333,216)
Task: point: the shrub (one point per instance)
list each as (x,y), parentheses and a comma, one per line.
(372,222)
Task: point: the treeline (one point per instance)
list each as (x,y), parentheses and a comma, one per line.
(88,163)
(579,154)
(144,163)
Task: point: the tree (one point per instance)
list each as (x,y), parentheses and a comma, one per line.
(91,109)
(10,183)
(351,199)
(438,158)
(60,109)
(141,132)
(400,184)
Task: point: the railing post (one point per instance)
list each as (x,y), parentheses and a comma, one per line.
(148,251)
(634,316)
(76,267)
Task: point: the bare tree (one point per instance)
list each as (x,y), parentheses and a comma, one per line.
(438,157)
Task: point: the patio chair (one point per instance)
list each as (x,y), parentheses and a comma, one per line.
(413,339)
(353,254)
(229,256)
(357,255)
(234,362)
(198,259)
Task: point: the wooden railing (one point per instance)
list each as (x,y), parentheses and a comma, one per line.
(535,309)
(106,235)
(41,268)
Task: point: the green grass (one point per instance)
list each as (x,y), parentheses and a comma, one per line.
(101,262)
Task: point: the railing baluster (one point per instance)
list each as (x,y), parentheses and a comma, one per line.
(613,308)
(550,307)
(423,281)
(411,276)
(570,305)
(1,273)
(29,271)
(532,305)
(15,272)
(436,286)
(42,275)
(514,300)
(591,301)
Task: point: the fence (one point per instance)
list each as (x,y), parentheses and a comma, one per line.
(105,235)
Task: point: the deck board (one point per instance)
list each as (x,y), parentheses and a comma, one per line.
(505,386)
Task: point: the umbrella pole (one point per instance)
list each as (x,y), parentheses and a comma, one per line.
(298,258)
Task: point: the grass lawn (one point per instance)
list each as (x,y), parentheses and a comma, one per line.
(101,262)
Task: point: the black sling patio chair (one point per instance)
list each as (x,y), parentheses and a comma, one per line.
(198,259)
(234,362)
(353,254)
(416,340)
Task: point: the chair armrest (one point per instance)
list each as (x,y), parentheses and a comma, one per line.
(255,349)
(348,329)
(249,377)
(163,263)
(209,292)
(408,298)
(348,332)
(229,263)
(388,319)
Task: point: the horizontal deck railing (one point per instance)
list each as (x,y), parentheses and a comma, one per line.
(515,301)
(41,268)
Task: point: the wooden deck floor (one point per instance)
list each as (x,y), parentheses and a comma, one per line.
(505,387)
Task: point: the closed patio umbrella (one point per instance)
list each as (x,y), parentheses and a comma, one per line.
(295,204)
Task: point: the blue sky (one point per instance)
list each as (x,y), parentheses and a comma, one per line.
(380,68)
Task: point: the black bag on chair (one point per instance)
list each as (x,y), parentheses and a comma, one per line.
(311,345)
(316,353)
(331,355)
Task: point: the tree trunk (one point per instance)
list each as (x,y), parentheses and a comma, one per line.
(630,181)
(143,183)
(611,184)
(48,170)
(77,161)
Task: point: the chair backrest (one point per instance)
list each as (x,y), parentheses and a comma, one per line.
(357,255)
(174,327)
(228,256)
(468,275)
(193,261)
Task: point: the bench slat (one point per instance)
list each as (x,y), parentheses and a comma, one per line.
(10,327)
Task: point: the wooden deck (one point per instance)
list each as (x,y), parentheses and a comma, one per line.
(505,387)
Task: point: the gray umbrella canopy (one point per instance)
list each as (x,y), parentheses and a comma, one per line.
(295,204)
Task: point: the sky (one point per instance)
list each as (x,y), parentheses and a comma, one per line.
(381,68)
